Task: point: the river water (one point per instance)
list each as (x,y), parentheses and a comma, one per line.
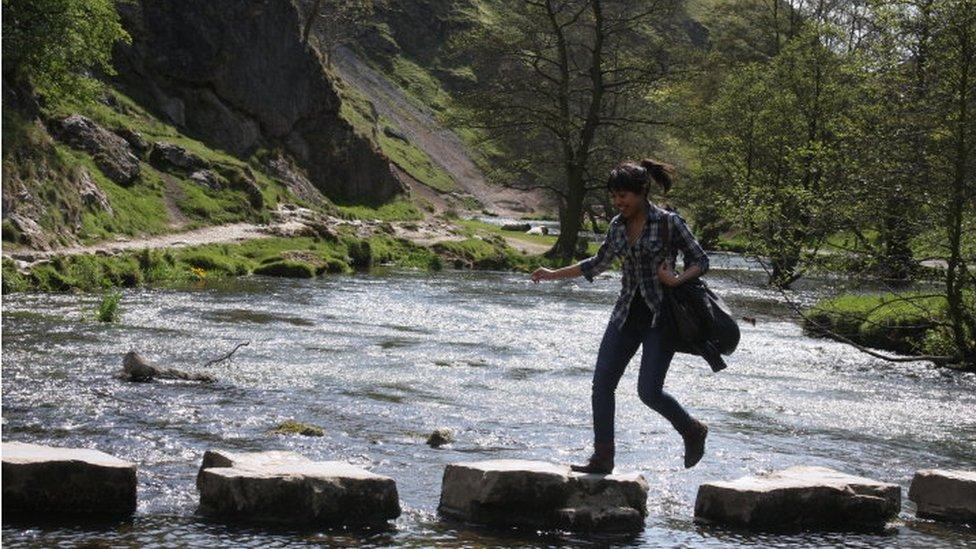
(380,360)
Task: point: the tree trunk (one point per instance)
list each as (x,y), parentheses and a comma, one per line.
(570,217)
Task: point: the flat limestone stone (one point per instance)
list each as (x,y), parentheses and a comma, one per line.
(51,481)
(944,494)
(288,488)
(799,498)
(537,494)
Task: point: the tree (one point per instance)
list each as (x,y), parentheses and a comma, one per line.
(50,46)
(953,67)
(564,83)
(777,132)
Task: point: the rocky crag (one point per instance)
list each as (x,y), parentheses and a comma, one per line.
(218,113)
(238,77)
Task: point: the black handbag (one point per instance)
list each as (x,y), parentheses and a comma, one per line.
(694,319)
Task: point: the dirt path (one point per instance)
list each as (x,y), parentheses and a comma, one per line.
(235,232)
(443,146)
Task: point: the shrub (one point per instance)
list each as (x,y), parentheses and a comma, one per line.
(108,308)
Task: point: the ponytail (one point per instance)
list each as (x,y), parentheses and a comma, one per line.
(661,173)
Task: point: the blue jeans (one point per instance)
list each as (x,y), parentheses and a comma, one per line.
(616,350)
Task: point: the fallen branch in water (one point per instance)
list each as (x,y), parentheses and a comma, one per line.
(136,368)
(228,355)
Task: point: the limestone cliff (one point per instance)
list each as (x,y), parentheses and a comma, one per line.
(237,76)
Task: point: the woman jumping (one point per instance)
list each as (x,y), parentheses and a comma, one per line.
(635,236)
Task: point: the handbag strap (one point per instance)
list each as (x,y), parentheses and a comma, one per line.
(665,231)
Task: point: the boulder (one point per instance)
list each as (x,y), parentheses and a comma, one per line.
(440,437)
(283,169)
(206,178)
(799,498)
(48,481)
(536,494)
(169,157)
(111,153)
(288,488)
(946,495)
(30,232)
(91,194)
(538,231)
(519,227)
(135,140)
(394,133)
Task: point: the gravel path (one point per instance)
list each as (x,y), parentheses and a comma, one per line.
(234,232)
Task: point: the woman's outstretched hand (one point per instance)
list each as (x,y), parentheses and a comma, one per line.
(542,273)
(667,276)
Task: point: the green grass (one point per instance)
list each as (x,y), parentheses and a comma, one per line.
(897,322)
(358,111)
(141,208)
(418,83)
(413,160)
(397,210)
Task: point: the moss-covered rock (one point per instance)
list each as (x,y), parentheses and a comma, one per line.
(292,427)
(286,268)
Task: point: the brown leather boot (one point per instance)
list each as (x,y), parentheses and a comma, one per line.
(694,437)
(600,463)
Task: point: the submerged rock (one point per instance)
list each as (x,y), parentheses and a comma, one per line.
(536,494)
(292,427)
(288,488)
(799,498)
(440,437)
(945,495)
(48,481)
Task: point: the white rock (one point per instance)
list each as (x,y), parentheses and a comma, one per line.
(66,481)
(942,494)
(536,494)
(288,488)
(799,498)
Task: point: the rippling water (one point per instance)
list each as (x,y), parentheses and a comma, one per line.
(381,360)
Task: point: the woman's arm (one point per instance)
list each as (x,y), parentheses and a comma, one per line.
(543,273)
(696,260)
(588,268)
(668,278)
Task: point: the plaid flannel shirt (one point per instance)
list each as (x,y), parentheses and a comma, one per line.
(640,261)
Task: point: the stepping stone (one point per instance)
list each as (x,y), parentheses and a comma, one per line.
(799,498)
(945,495)
(49,481)
(288,488)
(536,494)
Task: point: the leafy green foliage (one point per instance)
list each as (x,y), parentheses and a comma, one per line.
(51,44)
(108,307)
(776,132)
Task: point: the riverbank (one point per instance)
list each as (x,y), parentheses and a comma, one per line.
(909,323)
(326,249)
